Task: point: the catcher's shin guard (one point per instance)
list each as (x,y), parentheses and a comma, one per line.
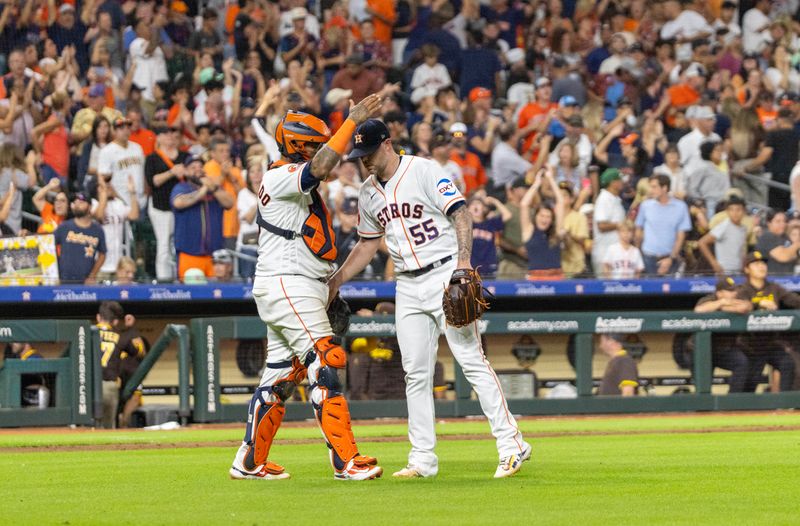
(330,406)
(263,420)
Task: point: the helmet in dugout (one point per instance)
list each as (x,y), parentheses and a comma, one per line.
(297,129)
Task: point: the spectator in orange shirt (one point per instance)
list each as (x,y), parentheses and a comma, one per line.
(683,94)
(383,18)
(53,213)
(221,170)
(471,167)
(535,115)
(55,139)
(766,111)
(140,135)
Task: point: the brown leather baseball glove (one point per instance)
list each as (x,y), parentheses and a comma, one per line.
(464,299)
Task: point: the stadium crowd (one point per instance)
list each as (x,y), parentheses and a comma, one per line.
(611,138)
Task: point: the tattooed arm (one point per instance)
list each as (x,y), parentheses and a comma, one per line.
(328,156)
(463,223)
(323,162)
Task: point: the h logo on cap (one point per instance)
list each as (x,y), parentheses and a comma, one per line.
(359,138)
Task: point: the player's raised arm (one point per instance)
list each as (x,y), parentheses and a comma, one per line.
(329,155)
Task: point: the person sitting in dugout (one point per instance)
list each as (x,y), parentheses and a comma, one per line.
(726,347)
(767,347)
(621,376)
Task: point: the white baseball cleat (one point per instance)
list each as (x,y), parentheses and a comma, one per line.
(512,463)
(268,471)
(359,468)
(408,472)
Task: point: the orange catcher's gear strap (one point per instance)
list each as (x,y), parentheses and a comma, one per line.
(341,139)
(334,419)
(298,373)
(330,354)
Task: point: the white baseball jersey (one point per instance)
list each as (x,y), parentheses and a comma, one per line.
(122,162)
(411,211)
(283,203)
(624,262)
(114,228)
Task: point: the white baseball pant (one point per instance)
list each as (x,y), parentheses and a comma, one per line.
(293,308)
(163,222)
(420,320)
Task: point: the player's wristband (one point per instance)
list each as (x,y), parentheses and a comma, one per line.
(341,139)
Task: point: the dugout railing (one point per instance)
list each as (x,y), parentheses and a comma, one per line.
(207,333)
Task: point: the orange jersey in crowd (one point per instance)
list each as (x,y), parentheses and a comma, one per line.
(472,169)
(230,217)
(50,220)
(146,139)
(386,10)
(527,115)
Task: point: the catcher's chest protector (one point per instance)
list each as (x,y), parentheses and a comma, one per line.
(317,230)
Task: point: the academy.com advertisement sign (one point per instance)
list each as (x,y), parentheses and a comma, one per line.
(770,322)
(618,324)
(694,324)
(533,325)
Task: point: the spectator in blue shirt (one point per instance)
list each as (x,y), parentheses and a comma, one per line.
(487,226)
(81,244)
(69,31)
(484,65)
(299,44)
(661,226)
(508,19)
(198,203)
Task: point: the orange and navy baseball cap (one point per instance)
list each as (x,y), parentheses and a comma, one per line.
(479,93)
(368,137)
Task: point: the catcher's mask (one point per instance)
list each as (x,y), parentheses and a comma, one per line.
(297,129)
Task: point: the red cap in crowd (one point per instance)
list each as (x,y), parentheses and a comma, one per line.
(479,93)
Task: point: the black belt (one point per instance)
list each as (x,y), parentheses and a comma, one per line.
(425,270)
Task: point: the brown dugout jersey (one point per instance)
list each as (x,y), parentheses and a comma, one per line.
(133,347)
(110,352)
(621,371)
(783,298)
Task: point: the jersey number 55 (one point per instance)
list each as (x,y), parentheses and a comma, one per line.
(425,231)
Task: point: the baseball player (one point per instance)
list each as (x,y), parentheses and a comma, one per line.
(296,251)
(418,209)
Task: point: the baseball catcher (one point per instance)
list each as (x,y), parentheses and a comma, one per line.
(296,251)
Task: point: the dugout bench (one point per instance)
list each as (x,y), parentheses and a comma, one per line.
(207,333)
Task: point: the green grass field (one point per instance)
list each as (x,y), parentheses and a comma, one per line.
(712,469)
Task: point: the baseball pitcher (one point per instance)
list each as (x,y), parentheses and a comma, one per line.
(416,207)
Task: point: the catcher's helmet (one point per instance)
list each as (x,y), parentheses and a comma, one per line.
(297,129)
